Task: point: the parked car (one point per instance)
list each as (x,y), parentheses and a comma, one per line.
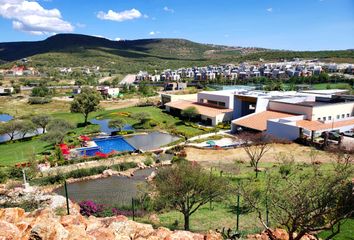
(348,133)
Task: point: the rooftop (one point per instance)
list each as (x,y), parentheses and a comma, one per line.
(202,109)
(317,125)
(258,121)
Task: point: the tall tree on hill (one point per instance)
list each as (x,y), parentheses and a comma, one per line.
(256,146)
(10,128)
(305,201)
(41,121)
(86,102)
(186,187)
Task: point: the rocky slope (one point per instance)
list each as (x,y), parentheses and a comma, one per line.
(44,224)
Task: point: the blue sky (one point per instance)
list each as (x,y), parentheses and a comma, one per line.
(279,24)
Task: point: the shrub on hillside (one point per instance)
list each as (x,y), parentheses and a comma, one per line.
(39,100)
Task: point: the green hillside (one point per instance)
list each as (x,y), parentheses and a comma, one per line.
(130,56)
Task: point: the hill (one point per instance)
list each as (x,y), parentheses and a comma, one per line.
(129,56)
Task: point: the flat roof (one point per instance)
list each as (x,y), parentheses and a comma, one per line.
(202,109)
(258,121)
(317,125)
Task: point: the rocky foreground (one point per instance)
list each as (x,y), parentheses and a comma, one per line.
(45,224)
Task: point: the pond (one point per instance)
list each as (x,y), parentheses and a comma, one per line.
(5,117)
(105,128)
(151,141)
(115,190)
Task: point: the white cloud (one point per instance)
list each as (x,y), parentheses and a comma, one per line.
(120,16)
(270,9)
(154,33)
(31,17)
(167,9)
(117,39)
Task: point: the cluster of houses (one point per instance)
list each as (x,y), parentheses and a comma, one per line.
(105,91)
(18,71)
(84,70)
(286,115)
(278,70)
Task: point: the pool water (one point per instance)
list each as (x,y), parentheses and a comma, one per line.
(5,117)
(108,145)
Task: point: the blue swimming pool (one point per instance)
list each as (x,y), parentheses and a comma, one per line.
(108,145)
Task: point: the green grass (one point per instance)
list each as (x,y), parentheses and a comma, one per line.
(220,215)
(21,151)
(323,86)
(164,120)
(346,233)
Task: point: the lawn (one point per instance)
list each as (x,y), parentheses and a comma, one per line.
(324,86)
(21,151)
(163,120)
(346,233)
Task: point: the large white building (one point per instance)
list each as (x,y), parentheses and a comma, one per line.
(290,114)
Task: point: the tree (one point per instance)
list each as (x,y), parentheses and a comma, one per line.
(10,128)
(190,113)
(142,117)
(186,187)
(255,145)
(57,130)
(117,123)
(86,102)
(26,127)
(41,121)
(40,91)
(304,201)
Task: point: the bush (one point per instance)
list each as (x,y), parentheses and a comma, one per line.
(148,161)
(3,175)
(88,208)
(39,100)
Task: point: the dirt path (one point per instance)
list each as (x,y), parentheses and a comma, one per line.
(227,156)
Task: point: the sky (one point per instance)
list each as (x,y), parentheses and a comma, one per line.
(276,24)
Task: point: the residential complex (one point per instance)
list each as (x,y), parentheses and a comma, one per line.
(286,115)
(243,71)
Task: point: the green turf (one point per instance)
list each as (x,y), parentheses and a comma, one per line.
(346,233)
(21,151)
(323,86)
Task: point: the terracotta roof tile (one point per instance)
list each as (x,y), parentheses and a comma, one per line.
(258,121)
(317,125)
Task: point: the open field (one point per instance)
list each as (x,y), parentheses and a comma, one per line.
(228,156)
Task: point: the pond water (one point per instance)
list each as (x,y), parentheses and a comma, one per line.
(105,128)
(150,141)
(5,117)
(115,190)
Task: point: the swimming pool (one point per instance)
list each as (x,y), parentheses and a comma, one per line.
(107,145)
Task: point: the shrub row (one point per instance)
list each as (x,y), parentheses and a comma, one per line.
(79,173)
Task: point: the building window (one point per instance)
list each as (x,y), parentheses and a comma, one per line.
(318,119)
(324,118)
(338,116)
(348,115)
(222,104)
(343,115)
(329,117)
